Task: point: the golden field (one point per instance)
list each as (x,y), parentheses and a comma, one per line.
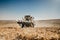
(10,30)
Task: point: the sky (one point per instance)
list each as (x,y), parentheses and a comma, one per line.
(39,9)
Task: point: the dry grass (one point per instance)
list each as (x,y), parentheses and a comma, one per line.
(12,31)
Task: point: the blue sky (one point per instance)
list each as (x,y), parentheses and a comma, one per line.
(40,9)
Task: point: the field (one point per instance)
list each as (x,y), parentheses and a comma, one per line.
(10,30)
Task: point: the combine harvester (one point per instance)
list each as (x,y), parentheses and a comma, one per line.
(27,21)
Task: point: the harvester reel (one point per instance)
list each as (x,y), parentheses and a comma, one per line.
(25,24)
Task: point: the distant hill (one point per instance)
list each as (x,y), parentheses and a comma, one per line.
(48,23)
(8,23)
(38,23)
